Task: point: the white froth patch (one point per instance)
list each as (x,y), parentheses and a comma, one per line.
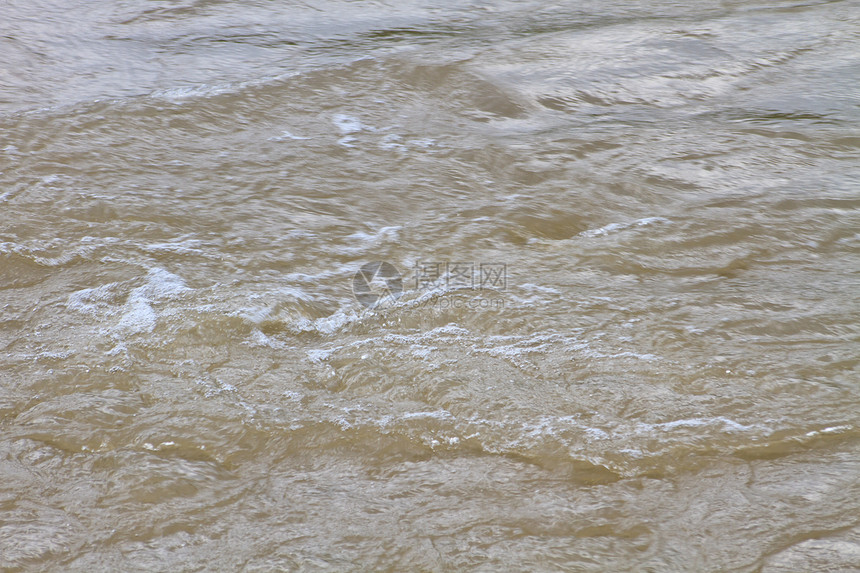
(91,300)
(159,447)
(287,136)
(118,349)
(181,94)
(538,288)
(330,324)
(177,95)
(255,315)
(535,294)
(427,142)
(259,338)
(536,344)
(830,430)
(613,227)
(179,246)
(347,124)
(421,351)
(318,355)
(726,423)
(138,314)
(396,142)
(315,278)
(628,354)
(450,331)
(327,324)
(294,292)
(383,234)
(392,142)
(596,433)
(436,415)
(163,284)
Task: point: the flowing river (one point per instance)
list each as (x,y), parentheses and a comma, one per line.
(430,286)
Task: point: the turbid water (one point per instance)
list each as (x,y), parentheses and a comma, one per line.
(616,327)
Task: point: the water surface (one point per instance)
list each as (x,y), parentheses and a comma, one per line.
(666,379)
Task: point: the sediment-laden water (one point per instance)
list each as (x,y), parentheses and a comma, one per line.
(616,327)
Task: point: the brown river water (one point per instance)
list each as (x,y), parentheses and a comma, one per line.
(430,286)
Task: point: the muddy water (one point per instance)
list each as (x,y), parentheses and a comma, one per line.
(618,329)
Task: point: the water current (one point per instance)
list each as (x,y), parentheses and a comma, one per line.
(430,286)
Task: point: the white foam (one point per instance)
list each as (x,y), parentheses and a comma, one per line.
(255,315)
(179,246)
(603,230)
(612,227)
(539,288)
(540,343)
(156,448)
(181,94)
(365,240)
(830,430)
(627,354)
(177,95)
(317,355)
(420,351)
(596,433)
(452,331)
(259,338)
(425,143)
(437,415)
(286,136)
(118,349)
(163,284)
(327,324)
(694,423)
(392,142)
(91,300)
(138,314)
(320,276)
(347,124)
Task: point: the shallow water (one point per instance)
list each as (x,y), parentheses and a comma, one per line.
(625,331)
